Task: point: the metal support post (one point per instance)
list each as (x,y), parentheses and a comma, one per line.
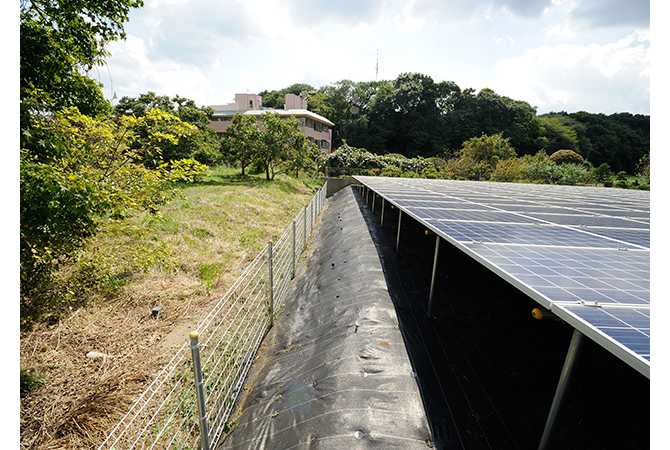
(272,294)
(561,390)
(367,194)
(304,216)
(293,246)
(197,370)
(397,241)
(382,211)
(374,196)
(432,280)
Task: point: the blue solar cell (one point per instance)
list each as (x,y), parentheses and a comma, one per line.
(631,238)
(564,243)
(578,218)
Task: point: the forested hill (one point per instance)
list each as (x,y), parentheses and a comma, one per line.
(415,116)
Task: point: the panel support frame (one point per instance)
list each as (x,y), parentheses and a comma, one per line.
(561,390)
(432,279)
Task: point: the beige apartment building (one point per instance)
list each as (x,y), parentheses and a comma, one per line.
(315,127)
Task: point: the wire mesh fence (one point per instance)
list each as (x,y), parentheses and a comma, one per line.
(166,414)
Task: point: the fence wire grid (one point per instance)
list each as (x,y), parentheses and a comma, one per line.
(166,414)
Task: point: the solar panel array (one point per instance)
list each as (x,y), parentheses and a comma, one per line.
(581,252)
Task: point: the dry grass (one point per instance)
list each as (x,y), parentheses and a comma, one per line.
(211,234)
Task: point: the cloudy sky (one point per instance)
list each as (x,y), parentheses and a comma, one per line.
(558,55)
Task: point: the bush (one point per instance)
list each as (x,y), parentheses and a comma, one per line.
(430,172)
(508,170)
(570,174)
(391,171)
(602,173)
(566,157)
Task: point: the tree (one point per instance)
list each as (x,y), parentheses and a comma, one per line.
(643,169)
(282,140)
(77,171)
(243,141)
(60,43)
(340,97)
(481,155)
(200,143)
(555,135)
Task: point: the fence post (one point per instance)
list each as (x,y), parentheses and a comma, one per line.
(197,369)
(304,216)
(272,294)
(293,260)
(311,216)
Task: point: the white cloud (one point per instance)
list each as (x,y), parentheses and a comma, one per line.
(311,13)
(133,73)
(454,11)
(594,78)
(410,23)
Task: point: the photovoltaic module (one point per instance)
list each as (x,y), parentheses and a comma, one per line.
(581,252)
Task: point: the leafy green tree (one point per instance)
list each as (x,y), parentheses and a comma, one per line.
(276,99)
(555,135)
(242,141)
(643,169)
(479,156)
(200,143)
(77,171)
(61,42)
(415,115)
(340,98)
(283,141)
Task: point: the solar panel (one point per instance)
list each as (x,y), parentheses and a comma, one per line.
(583,253)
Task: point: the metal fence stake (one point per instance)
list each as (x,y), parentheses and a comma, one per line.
(272,294)
(197,370)
(293,246)
(304,216)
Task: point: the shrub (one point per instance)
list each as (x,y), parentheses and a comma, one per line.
(508,170)
(566,157)
(391,171)
(430,172)
(570,174)
(602,173)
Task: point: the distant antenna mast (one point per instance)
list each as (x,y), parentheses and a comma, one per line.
(377,67)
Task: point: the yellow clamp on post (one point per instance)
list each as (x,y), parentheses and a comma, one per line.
(193,334)
(537,313)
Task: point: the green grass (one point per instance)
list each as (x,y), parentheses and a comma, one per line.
(218,225)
